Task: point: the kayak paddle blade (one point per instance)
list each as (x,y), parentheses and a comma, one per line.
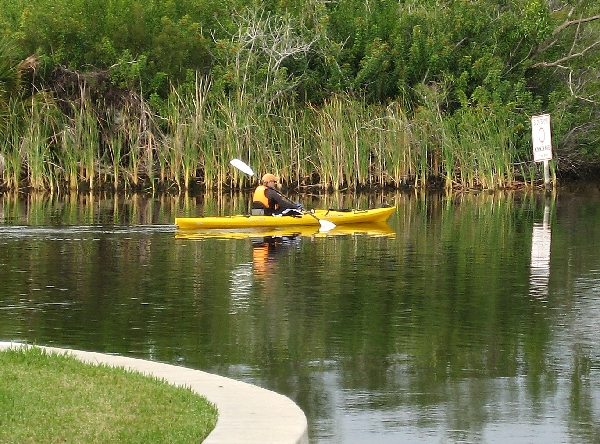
(326,225)
(240,165)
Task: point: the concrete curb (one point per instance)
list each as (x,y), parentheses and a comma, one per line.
(247,413)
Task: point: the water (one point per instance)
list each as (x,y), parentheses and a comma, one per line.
(473,318)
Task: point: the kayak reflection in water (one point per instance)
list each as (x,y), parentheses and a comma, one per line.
(266,251)
(268,201)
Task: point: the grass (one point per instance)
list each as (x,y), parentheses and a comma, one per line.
(47,397)
(345,143)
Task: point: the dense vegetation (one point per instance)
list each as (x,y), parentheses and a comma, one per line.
(129,93)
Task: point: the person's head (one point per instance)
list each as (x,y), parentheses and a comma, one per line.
(270,180)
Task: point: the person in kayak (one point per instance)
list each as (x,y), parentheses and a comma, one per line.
(267,201)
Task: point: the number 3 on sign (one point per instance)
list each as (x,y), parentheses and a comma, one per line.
(541,138)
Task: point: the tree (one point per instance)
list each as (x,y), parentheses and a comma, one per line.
(571,52)
(255,61)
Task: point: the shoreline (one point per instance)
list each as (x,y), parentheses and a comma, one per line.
(247,413)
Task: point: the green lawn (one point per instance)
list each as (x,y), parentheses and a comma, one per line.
(47,397)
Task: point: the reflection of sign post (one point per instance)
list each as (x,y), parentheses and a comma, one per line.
(540,260)
(541,241)
(542,143)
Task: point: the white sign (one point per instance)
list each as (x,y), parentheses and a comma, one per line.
(541,138)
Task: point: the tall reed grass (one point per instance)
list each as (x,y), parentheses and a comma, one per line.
(344,143)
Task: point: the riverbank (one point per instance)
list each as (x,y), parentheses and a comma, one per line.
(247,414)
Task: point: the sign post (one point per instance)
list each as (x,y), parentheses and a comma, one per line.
(541,138)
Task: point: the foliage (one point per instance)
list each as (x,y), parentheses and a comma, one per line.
(264,62)
(167,37)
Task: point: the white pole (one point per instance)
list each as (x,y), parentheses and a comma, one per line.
(547,174)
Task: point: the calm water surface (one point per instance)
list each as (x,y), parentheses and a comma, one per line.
(472,318)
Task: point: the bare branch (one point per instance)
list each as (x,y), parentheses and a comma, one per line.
(581,43)
(566,24)
(566,58)
(574,94)
(578,22)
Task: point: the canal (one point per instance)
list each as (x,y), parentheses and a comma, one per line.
(469,318)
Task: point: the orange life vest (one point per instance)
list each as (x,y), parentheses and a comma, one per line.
(260,197)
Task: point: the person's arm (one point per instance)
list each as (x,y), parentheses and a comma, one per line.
(283,203)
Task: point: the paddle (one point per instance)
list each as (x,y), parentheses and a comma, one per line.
(240,165)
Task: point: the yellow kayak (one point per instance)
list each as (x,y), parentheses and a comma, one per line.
(380,229)
(316,217)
